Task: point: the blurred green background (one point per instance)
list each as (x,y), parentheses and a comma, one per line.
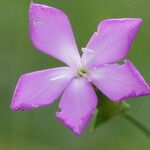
(39,129)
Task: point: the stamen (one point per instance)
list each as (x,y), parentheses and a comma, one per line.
(82,72)
(87,50)
(59,77)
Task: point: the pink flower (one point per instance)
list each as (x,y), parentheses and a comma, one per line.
(52,34)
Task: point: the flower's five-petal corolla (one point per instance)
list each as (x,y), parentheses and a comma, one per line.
(52,34)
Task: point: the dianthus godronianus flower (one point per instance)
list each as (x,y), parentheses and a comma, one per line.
(52,34)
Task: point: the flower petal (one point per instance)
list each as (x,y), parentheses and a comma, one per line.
(51,33)
(120,82)
(111,43)
(77,105)
(40,88)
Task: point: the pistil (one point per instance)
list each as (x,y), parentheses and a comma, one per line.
(82,72)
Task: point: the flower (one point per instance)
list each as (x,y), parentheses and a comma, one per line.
(51,33)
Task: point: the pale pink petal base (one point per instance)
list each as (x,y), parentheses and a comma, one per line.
(40,88)
(77,105)
(119,82)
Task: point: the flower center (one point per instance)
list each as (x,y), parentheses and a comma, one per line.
(82,72)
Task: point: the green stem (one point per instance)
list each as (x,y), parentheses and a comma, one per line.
(137,124)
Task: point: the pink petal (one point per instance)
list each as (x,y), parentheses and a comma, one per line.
(111,43)
(120,82)
(52,34)
(40,88)
(77,105)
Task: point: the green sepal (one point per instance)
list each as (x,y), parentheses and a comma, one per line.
(106,109)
